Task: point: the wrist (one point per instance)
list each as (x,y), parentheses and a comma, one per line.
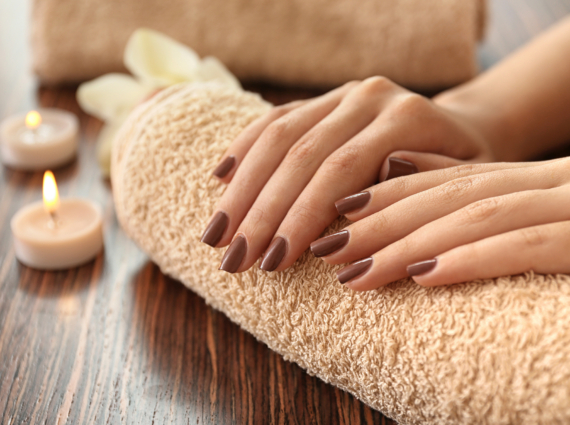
(499,132)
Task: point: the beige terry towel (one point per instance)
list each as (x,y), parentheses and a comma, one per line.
(425,44)
(486,352)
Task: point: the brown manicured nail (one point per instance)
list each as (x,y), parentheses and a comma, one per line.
(421,267)
(215,230)
(234,255)
(354,270)
(352,203)
(224,167)
(400,167)
(329,244)
(274,254)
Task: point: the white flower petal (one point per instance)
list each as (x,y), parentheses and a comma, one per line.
(111,96)
(105,145)
(212,69)
(160,61)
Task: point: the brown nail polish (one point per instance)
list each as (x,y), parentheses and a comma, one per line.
(329,244)
(354,270)
(421,267)
(274,254)
(400,167)
(352,203)
(225,167)
(215,230)
(234,255)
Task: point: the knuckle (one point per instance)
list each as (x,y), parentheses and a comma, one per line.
(401,186)
(379,223)
(409,105)
(405,246)
(456,189)
(278,111)
(560,168)
(462,170)
(302,153)
(413,102)
(306,213)
(376,85)
(277,130)
(344,162)
(256,218)
(481,210)
(351,84)
(281,110)
(534,236)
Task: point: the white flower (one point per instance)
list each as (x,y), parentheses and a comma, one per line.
(155,61)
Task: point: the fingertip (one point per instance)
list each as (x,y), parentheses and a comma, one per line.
(422,281)
(215,230)
(274,254)
(225,168)
(332,259)
(353,203)
(397,167)
(422,267)
(234,255)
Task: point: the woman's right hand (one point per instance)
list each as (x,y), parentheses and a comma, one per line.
(458,224)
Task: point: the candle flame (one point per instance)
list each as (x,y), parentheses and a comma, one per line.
(33,120)
(51,195)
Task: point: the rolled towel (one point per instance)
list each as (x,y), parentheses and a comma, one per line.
(486,352)
(417,43)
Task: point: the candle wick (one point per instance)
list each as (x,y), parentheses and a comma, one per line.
(52,224)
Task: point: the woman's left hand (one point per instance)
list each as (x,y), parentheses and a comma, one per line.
(458,224)
(286,169)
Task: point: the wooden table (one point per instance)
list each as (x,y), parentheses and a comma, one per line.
(116,341)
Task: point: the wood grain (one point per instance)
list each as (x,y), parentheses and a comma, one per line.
(116,341)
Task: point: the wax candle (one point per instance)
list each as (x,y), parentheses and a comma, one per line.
(39,139)
(54,234)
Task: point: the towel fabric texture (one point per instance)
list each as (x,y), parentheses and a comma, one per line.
(417,43)
(486,352)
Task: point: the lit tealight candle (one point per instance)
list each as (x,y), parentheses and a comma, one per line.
(39,139)
(54,234)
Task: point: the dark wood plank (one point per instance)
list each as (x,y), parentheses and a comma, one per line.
(116,341)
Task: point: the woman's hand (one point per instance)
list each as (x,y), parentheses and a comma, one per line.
(286,170)
(458,224)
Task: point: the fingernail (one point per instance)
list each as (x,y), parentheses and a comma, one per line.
(234,255)
(215,230)
(421,267)
(354,270)
(352,203)
(274,254)
(225,167)
(329,244)
(400,167)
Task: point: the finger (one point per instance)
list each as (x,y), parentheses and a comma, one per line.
(402,218)
(262,160)
(381,196)
(404,163)
(542,249)
(352,166)
(295,172)
(477,221)
(240,146)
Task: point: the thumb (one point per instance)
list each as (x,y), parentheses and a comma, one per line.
(403,163)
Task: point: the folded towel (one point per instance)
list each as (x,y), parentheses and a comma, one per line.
(417,43)
(487,352)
